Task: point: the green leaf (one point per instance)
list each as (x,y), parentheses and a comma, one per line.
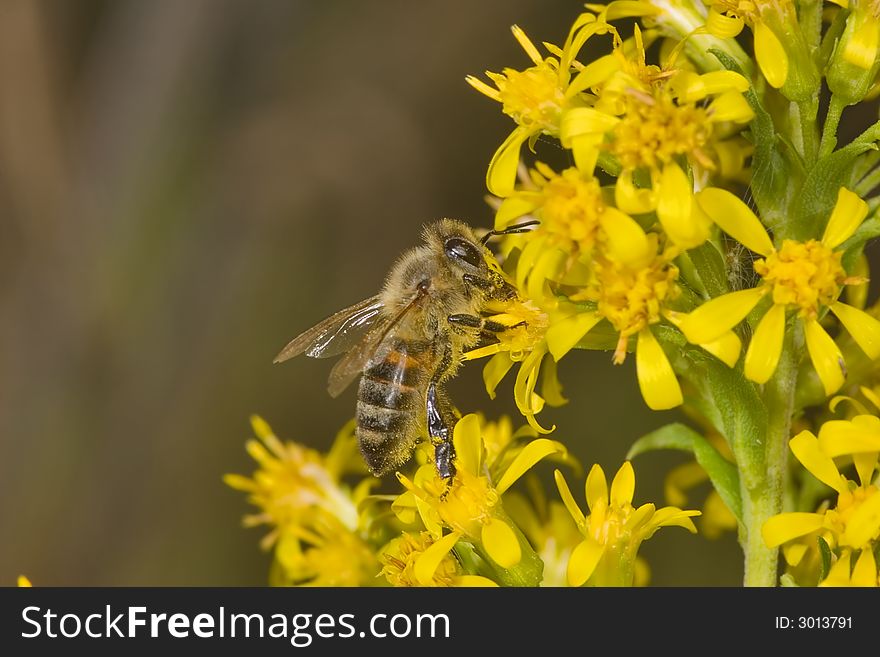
(854,246)
(825,557)
(722,473)
(709,269)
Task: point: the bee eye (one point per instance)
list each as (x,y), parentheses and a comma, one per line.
(459,249)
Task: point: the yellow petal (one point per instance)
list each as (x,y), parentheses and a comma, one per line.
(864,523)
(657,381)
(865,572)
(825,355)
(632,199)
(526,44)
(473,581)
(794,553)
(24,582)
(596,487)
(839,437)
(863,328)
(500,543)
(528,456)
(593,74)
(848,214)
(786,526)
(623,486)
(583,561)
(725,27)
(584,121)
(735,218)
(680,479)
(730,106)
(468,444)
(674,208)
(426,564)
(861,47)
(771,56)
(495,370)
(501,176)
(865,463)
(568,499)
(717,316)
(726,348)
(805,447)
(512,208)
(626,240)
(564,334)
(670,516)
(766,345)
(839,574)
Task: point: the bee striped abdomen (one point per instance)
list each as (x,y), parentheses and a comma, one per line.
(390,405)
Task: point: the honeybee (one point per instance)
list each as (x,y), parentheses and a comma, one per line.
(408,340)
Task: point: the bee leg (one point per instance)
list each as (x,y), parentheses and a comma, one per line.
(495,286)
(485,325)
(439,419)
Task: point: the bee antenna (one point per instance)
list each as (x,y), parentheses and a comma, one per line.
(524,227)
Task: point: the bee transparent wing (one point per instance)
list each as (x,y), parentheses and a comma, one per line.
(356,361)
(337,333)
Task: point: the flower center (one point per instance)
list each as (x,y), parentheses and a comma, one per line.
(532,97)
(398,561)
(655,130)
(847,506)
(629,298)
(467,502)
(571,210)
(803,274)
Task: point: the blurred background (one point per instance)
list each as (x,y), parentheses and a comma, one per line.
(184,186)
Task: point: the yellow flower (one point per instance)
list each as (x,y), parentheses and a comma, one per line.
(863,574)
(470,503)
(650,119)
(419,560)
(853,523)
(803,276)
(537,97)
(313,514)
(614,529)
(852,70)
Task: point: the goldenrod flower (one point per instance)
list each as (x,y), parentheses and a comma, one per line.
(649,119)
(853,524)
(313,514)
(614,529)
(469,504)
(806,277)
(537,97)
(418,559)
(853,67)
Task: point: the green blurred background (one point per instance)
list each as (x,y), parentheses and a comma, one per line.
(186,185)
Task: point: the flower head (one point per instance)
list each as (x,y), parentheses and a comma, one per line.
(805,277)
(418,559)
(614,529)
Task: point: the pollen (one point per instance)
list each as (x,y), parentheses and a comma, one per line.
(632,298)
(531,97)
(803,274)
(655,130)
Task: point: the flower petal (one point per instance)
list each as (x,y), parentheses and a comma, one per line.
(670,516)
(839,437)
(473,581)
(501,176)
(848,214)
(720,25)
(863,328)
(627,241)
(632,199)
(771,56)
(593,74)
(468,444)
(528,456)
(500,543)
(426,564)
(674,202)
(786,526)
(623,486)
(495,370)
(766,345)
(564,334)
(719,315)
(596,487)
(726,348)
(865,571)
(568,499)
(512,208)
(736,219)
(657,380)
(731,106)
(806,449)
(825,355)
(583,561)
(864,523)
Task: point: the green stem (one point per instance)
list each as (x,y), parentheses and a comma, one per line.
(829,130)
(807,111)
(765,499)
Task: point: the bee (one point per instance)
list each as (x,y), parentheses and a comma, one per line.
(407,341)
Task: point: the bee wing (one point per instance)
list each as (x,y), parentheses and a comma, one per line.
(337,333)
(356,361)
